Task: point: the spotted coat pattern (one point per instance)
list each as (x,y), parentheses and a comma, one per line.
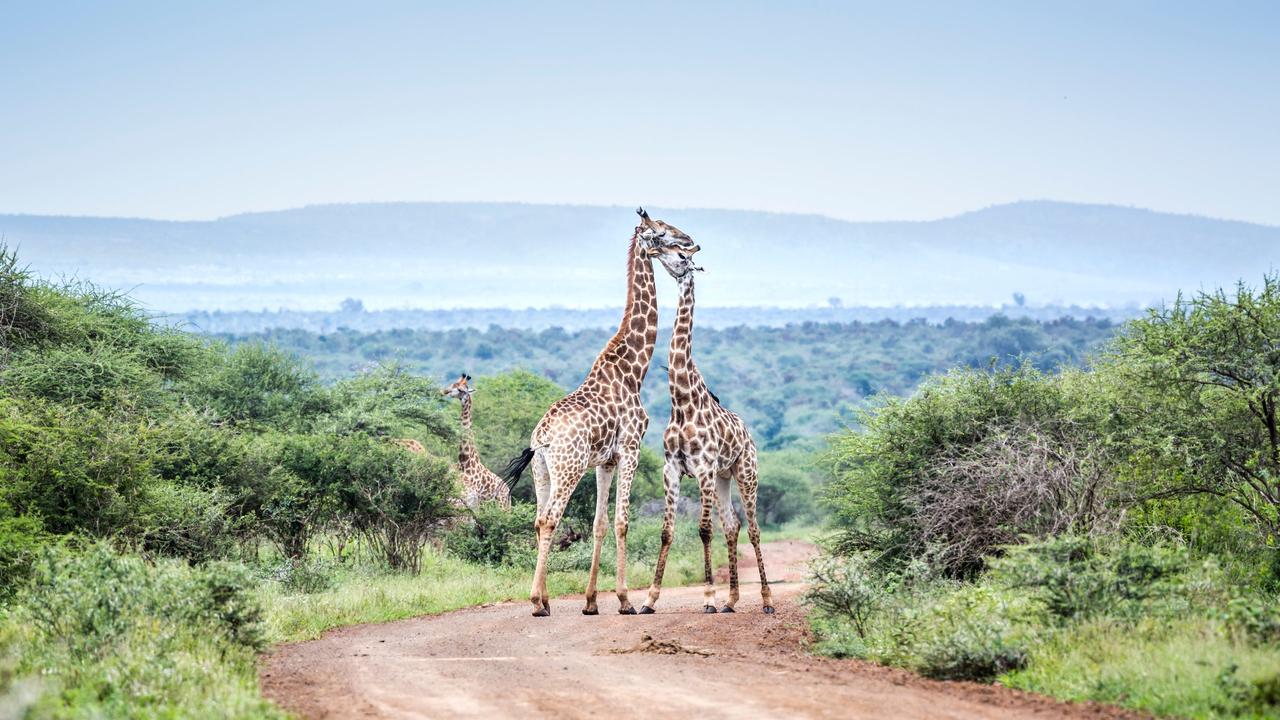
(478,482)
(705,441)
(601,425)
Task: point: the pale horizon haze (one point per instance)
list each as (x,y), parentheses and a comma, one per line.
(856,111)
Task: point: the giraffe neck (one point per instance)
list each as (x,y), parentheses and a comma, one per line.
(684,379)
(626,357)
(467,450)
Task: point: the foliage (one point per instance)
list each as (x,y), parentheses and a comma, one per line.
(260,384)
(496,536)
(1202,382)
(395,499)
(21,536)
(1076,579)
(845,587)
(787,382)
(1102,535)
(506,408)
(970,463)
(111,636)
(1142,624)
(788,486)
(387,401)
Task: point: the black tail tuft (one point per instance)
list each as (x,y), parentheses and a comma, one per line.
(516,467)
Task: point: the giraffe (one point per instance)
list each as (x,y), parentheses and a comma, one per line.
(478,482)
(410,444)
(710,444)
(602,423)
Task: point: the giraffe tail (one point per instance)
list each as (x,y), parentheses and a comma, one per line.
(517,466)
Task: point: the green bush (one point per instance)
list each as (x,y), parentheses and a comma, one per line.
(78,469)
(978,652)
(21,536)
(1079,578)
(259,384)
(111,636)
(972,462)
(394,499)
(847,588)
(304,575)
(495,536)
(1198,389)
(787,488)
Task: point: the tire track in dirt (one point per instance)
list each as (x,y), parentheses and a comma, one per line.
(499,662)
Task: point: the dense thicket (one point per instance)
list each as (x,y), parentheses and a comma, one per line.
(142,467)
(115,428)
(789,383)
(1079,533)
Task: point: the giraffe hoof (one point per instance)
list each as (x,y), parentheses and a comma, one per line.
(646,610)
(709,609)
(768,609)
(541,612)
(590,611)
(727,609)
(627,611)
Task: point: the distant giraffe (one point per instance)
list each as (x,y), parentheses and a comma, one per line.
(410,444)
(602,423)
(478,482)
(710,444)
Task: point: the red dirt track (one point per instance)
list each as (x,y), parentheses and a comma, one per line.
(499,662)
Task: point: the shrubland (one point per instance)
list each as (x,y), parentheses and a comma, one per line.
(170,505)
(1101,534)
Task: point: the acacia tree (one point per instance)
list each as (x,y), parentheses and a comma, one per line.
(1201,386)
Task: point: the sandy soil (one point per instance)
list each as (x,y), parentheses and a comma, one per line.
(499,662)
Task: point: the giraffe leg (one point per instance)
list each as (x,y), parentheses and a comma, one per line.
(671,484)
(545,526)
(626,472)
(563,481)
(747,485)
(729,521)
(604,480)
(706,486)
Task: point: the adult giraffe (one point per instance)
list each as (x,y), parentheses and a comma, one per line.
(602,423)
(710,444)
(478,482)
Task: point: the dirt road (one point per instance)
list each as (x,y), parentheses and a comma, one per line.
(499,662)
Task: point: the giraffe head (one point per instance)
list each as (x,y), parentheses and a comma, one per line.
(459,388)
(673,248)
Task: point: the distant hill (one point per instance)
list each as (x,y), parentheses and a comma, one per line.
(450,255)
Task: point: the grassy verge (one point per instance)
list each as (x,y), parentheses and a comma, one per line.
(1193,668)
(363,595)
(1146,627)
(103,634)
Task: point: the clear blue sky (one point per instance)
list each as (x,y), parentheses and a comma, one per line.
(860,111)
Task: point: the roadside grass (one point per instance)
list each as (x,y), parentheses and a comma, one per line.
(100,634)
(364,593)
(1144,626)
(1188,668)
(180,641)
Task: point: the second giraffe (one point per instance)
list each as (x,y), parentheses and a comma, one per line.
(710,444)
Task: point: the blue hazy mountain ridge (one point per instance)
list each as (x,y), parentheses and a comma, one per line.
(448,255)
